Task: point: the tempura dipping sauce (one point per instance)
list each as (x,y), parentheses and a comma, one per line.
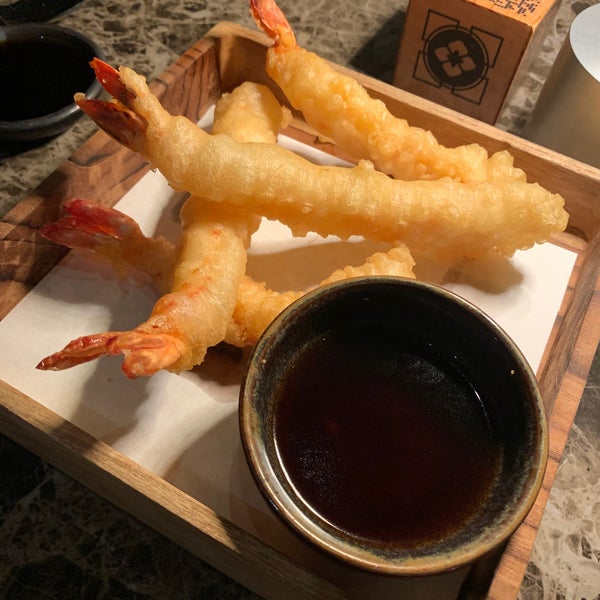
(393,425)
(42,65)
(40,75)
(384,439)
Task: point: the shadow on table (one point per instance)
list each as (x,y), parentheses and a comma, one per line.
(377,57)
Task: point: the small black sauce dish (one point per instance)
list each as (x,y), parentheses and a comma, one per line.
(41,67)
(393,425)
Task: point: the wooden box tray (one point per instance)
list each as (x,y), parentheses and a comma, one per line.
(228,55)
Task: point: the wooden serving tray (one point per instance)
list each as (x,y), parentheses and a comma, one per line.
(228,55)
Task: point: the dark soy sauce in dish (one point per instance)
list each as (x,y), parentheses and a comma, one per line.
(40,76)
(385,443)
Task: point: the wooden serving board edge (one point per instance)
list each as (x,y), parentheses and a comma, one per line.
(562,384)
(219,61)
(153,501)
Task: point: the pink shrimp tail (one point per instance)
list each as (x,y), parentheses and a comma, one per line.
(122,124)
(79,351)
(114,117)
(110,80)
(86,224)
(272,21)
(146,353)
(143,353)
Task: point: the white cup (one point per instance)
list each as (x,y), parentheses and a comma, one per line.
(566,117)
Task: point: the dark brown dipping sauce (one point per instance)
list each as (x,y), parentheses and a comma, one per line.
(40,76)
(387,444)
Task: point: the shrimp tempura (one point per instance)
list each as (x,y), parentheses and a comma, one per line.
(208,269)
(444,218)
(257,305)
(88,225)
(207,299)
(338,107)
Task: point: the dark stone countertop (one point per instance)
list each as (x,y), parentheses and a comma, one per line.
(59,540)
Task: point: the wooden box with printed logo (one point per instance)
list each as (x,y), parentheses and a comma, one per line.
(466,54)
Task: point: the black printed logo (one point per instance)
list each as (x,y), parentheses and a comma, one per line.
(455,57)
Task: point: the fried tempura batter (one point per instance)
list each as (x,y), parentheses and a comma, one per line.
(257,306)
(338,107)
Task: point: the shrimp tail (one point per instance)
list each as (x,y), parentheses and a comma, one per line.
(144,352)
(114,236)
(122,124)
(79,351)
(272,21)
(88,224)
(110,79)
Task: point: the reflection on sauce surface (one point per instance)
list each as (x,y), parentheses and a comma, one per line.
(385,443)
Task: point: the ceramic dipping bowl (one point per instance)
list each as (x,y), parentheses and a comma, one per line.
(41,67)
(393,425)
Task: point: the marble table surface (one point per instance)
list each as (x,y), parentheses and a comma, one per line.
(58,539)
